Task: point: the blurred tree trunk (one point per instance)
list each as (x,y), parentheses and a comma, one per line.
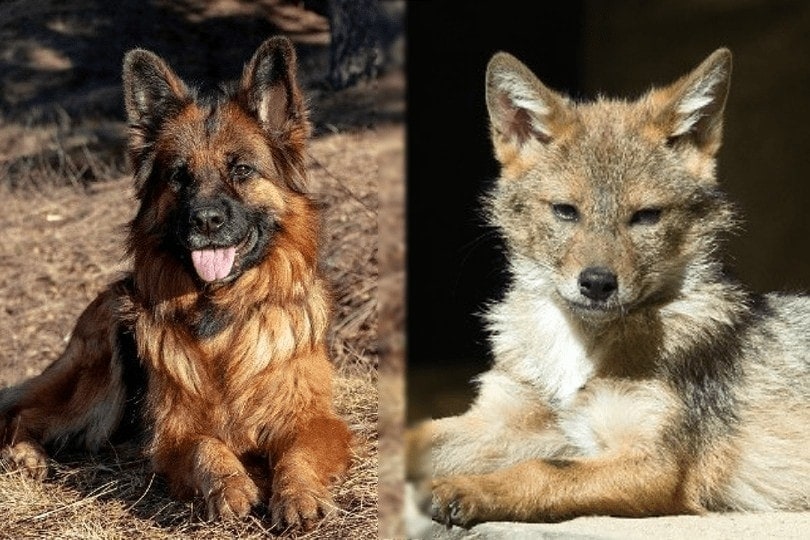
(355,50)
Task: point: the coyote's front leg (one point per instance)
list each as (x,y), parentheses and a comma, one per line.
(632,485)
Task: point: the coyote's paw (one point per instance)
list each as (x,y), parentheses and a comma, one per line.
(27,457)
(301,508)
(232,497)
(461,500)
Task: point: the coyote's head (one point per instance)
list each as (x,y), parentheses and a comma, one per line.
(611,205)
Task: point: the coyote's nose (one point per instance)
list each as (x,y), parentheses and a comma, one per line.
(597,283)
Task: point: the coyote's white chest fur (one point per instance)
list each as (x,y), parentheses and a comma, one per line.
(534,337)
(553,361)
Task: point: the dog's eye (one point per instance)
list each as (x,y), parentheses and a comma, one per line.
(241,171)
(178,177)
(565,212)
(646,216)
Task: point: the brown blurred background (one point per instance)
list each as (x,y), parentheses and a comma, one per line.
(585,47)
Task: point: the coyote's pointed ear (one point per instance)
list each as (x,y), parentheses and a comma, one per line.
(695,103)
(521,108)
(270,87)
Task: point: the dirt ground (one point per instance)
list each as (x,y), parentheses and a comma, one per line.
(67,197)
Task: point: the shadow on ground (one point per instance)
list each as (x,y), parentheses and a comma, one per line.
(61,104)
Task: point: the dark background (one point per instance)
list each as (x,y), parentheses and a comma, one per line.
(584,48)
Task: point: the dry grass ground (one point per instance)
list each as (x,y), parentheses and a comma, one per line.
(66,198)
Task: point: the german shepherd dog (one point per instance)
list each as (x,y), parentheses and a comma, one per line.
(632,375)
(213,347)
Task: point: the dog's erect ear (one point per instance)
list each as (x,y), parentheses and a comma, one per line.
(521,108)
(270,87)
(695,103)
(152,91)
(269,90)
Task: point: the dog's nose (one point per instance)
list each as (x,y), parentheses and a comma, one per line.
(208,219)
(598,283)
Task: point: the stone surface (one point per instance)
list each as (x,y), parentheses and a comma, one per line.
(775,525)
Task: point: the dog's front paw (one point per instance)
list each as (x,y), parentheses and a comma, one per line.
(27,457)
(461,500)
(300,509)
(232,497)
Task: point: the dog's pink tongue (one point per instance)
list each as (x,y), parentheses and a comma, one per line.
(213,264)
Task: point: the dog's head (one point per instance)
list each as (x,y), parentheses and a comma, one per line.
(216,175)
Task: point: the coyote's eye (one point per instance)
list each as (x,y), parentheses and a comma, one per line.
(241,171)
(565,212)
(646,216)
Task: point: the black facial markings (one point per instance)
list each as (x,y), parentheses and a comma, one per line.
(266,227)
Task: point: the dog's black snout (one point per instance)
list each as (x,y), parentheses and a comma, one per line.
(598,283)
(208,219)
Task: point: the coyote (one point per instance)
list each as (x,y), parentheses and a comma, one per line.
(632,375)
